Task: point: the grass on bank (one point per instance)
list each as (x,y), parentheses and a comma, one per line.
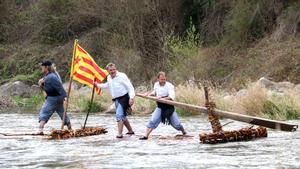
(33,102)
(255,100)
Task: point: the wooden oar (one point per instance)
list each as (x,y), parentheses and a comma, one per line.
(274,124)
(22,134)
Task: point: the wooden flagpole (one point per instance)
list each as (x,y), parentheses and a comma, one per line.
(70,84)
(90,106)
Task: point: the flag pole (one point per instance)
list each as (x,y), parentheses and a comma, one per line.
(70,84)
(91,103)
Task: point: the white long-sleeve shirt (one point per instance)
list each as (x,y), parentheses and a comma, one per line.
(166,90)
(118,86)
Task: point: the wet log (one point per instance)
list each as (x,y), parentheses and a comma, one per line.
(62,134)
(87,131)
(243,134)
(21,134)
(273,124)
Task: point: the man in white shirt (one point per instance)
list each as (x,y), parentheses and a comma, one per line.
(163,113)
(122,92)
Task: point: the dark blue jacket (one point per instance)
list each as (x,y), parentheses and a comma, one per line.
(53,86)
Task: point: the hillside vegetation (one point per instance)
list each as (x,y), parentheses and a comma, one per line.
(226,42)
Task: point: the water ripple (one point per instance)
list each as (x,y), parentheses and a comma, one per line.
(162,150)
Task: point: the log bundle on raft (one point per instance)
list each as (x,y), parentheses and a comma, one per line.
(243,134)
(87,131)
(220,136)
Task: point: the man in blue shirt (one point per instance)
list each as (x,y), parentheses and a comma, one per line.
(56,95)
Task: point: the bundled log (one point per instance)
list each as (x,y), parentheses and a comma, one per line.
(87,131)
(212,118)
(243,134)
(220,136)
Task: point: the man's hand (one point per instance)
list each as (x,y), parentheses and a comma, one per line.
(95,84)
(131,101)
(41,82)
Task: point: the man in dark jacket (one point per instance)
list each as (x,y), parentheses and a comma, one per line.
(56,95)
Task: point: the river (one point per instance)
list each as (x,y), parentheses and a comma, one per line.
(161,150)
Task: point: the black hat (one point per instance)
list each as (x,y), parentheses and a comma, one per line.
(46,63)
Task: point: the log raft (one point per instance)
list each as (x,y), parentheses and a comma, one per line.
(62,134)
(273,124)
(87,131)
(220,136)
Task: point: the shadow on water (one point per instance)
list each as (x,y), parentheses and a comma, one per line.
(162,150)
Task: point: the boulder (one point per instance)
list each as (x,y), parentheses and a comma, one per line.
(17,88)
(282,86)
(74,86)
(241,93)
(6,102)
(111,109)
(268,84)
(35,90)
(85,90)
(228,98)
(274,86)
(297,88)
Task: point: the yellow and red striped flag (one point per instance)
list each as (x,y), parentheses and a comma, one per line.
(84,69)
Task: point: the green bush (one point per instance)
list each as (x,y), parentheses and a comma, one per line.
(280,107)
(33,102)
(184,53)
(185,46)
(83,103)
(28,79)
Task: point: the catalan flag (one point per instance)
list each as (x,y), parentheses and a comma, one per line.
(84,69)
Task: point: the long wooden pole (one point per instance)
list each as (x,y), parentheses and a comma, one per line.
(274,124)
(90,106)
(70,84)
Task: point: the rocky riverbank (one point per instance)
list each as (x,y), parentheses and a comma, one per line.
(262,96)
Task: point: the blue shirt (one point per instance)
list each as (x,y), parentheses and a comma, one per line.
(53,85)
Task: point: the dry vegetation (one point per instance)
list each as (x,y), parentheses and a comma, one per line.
(255,100)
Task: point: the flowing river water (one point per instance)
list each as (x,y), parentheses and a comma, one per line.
(161,150)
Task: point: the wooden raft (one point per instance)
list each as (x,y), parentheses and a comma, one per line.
(220,136)
(273,124)
(243,134)
(87,131)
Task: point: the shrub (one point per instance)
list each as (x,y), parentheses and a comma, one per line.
(28,79)
(34,101)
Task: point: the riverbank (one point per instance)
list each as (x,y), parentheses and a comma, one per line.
(264,98)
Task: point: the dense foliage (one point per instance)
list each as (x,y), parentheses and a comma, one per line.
(227,42)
